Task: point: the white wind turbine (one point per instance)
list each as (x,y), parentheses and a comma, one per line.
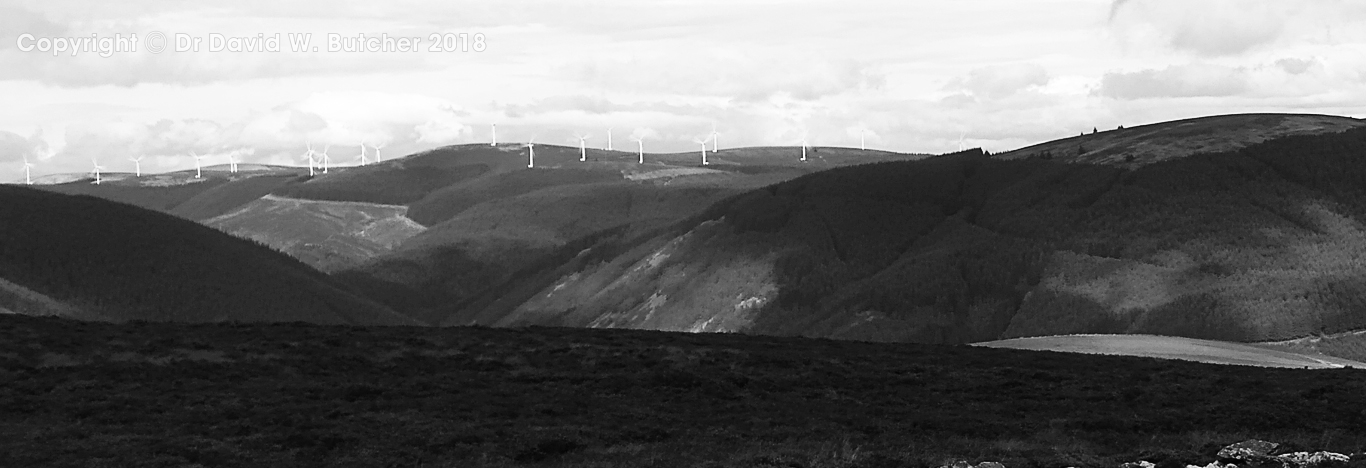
(137,163)
(494,133)
(803,149)
(96,170)
(378,159)
(309,155)
(326,160)
(960,140)
(362,153)
(531,153)
(862,134)
(583,150)
(28,177)
(714,138)
(232,163)
(609,138)
(640,148)
(197,171)
(702,142)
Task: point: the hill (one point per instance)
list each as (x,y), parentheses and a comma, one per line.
(1259,244)
(90,258)
(293,394)
(1147,144)
(491,220)
(181,193)
(327,235)
(1168,347)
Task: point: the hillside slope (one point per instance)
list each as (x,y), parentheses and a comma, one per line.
(326,235)
(495,224)
(1260,244)
(1147,144)
(111,261)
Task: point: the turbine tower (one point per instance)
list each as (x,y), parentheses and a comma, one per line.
(326,160)
(702,142)
(493,132)
(137,162)
(309,155)
(362,152)
(531,153)
(232,163)
(96,170)
(960,141)
(862,133)
(28,178)
(609,138)
(803,149)
(640,148)
(378,159)
(197,172)
(583,150)
(714,138)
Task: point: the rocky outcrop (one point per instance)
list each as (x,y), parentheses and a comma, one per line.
(1251,453)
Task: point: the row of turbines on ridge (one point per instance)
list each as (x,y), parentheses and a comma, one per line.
(640,145)
(320,161)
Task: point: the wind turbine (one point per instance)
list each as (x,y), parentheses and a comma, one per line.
(28,179)
(493,132)
(862,132)
(714,138)
(803,149)
(309,155)
(378,159)
(609,138)
(96,170)
(583,150)
(197,173)
(960,141)
(232,163)
(531,153)
(640,144)
(702,142)
(362,152)
(326,160)
(137,162)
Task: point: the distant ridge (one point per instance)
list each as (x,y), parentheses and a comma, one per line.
(1147,144)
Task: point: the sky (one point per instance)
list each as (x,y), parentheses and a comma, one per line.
(909,76)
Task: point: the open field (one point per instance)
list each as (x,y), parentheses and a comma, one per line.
(139,394)
(1171,347)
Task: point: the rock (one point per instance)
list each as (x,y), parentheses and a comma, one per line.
(965,464)
(1251,449)
(1313,460)
(1214,464)
(1139,464)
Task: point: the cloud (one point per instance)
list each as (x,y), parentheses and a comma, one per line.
(15,21)
(748,77)
(15,147)
(1216,28)
(999,81)
(1175,81)
(1295,66)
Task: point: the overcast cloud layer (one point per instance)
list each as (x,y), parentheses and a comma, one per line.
(918,76)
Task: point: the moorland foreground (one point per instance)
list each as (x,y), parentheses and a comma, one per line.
(162,394)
